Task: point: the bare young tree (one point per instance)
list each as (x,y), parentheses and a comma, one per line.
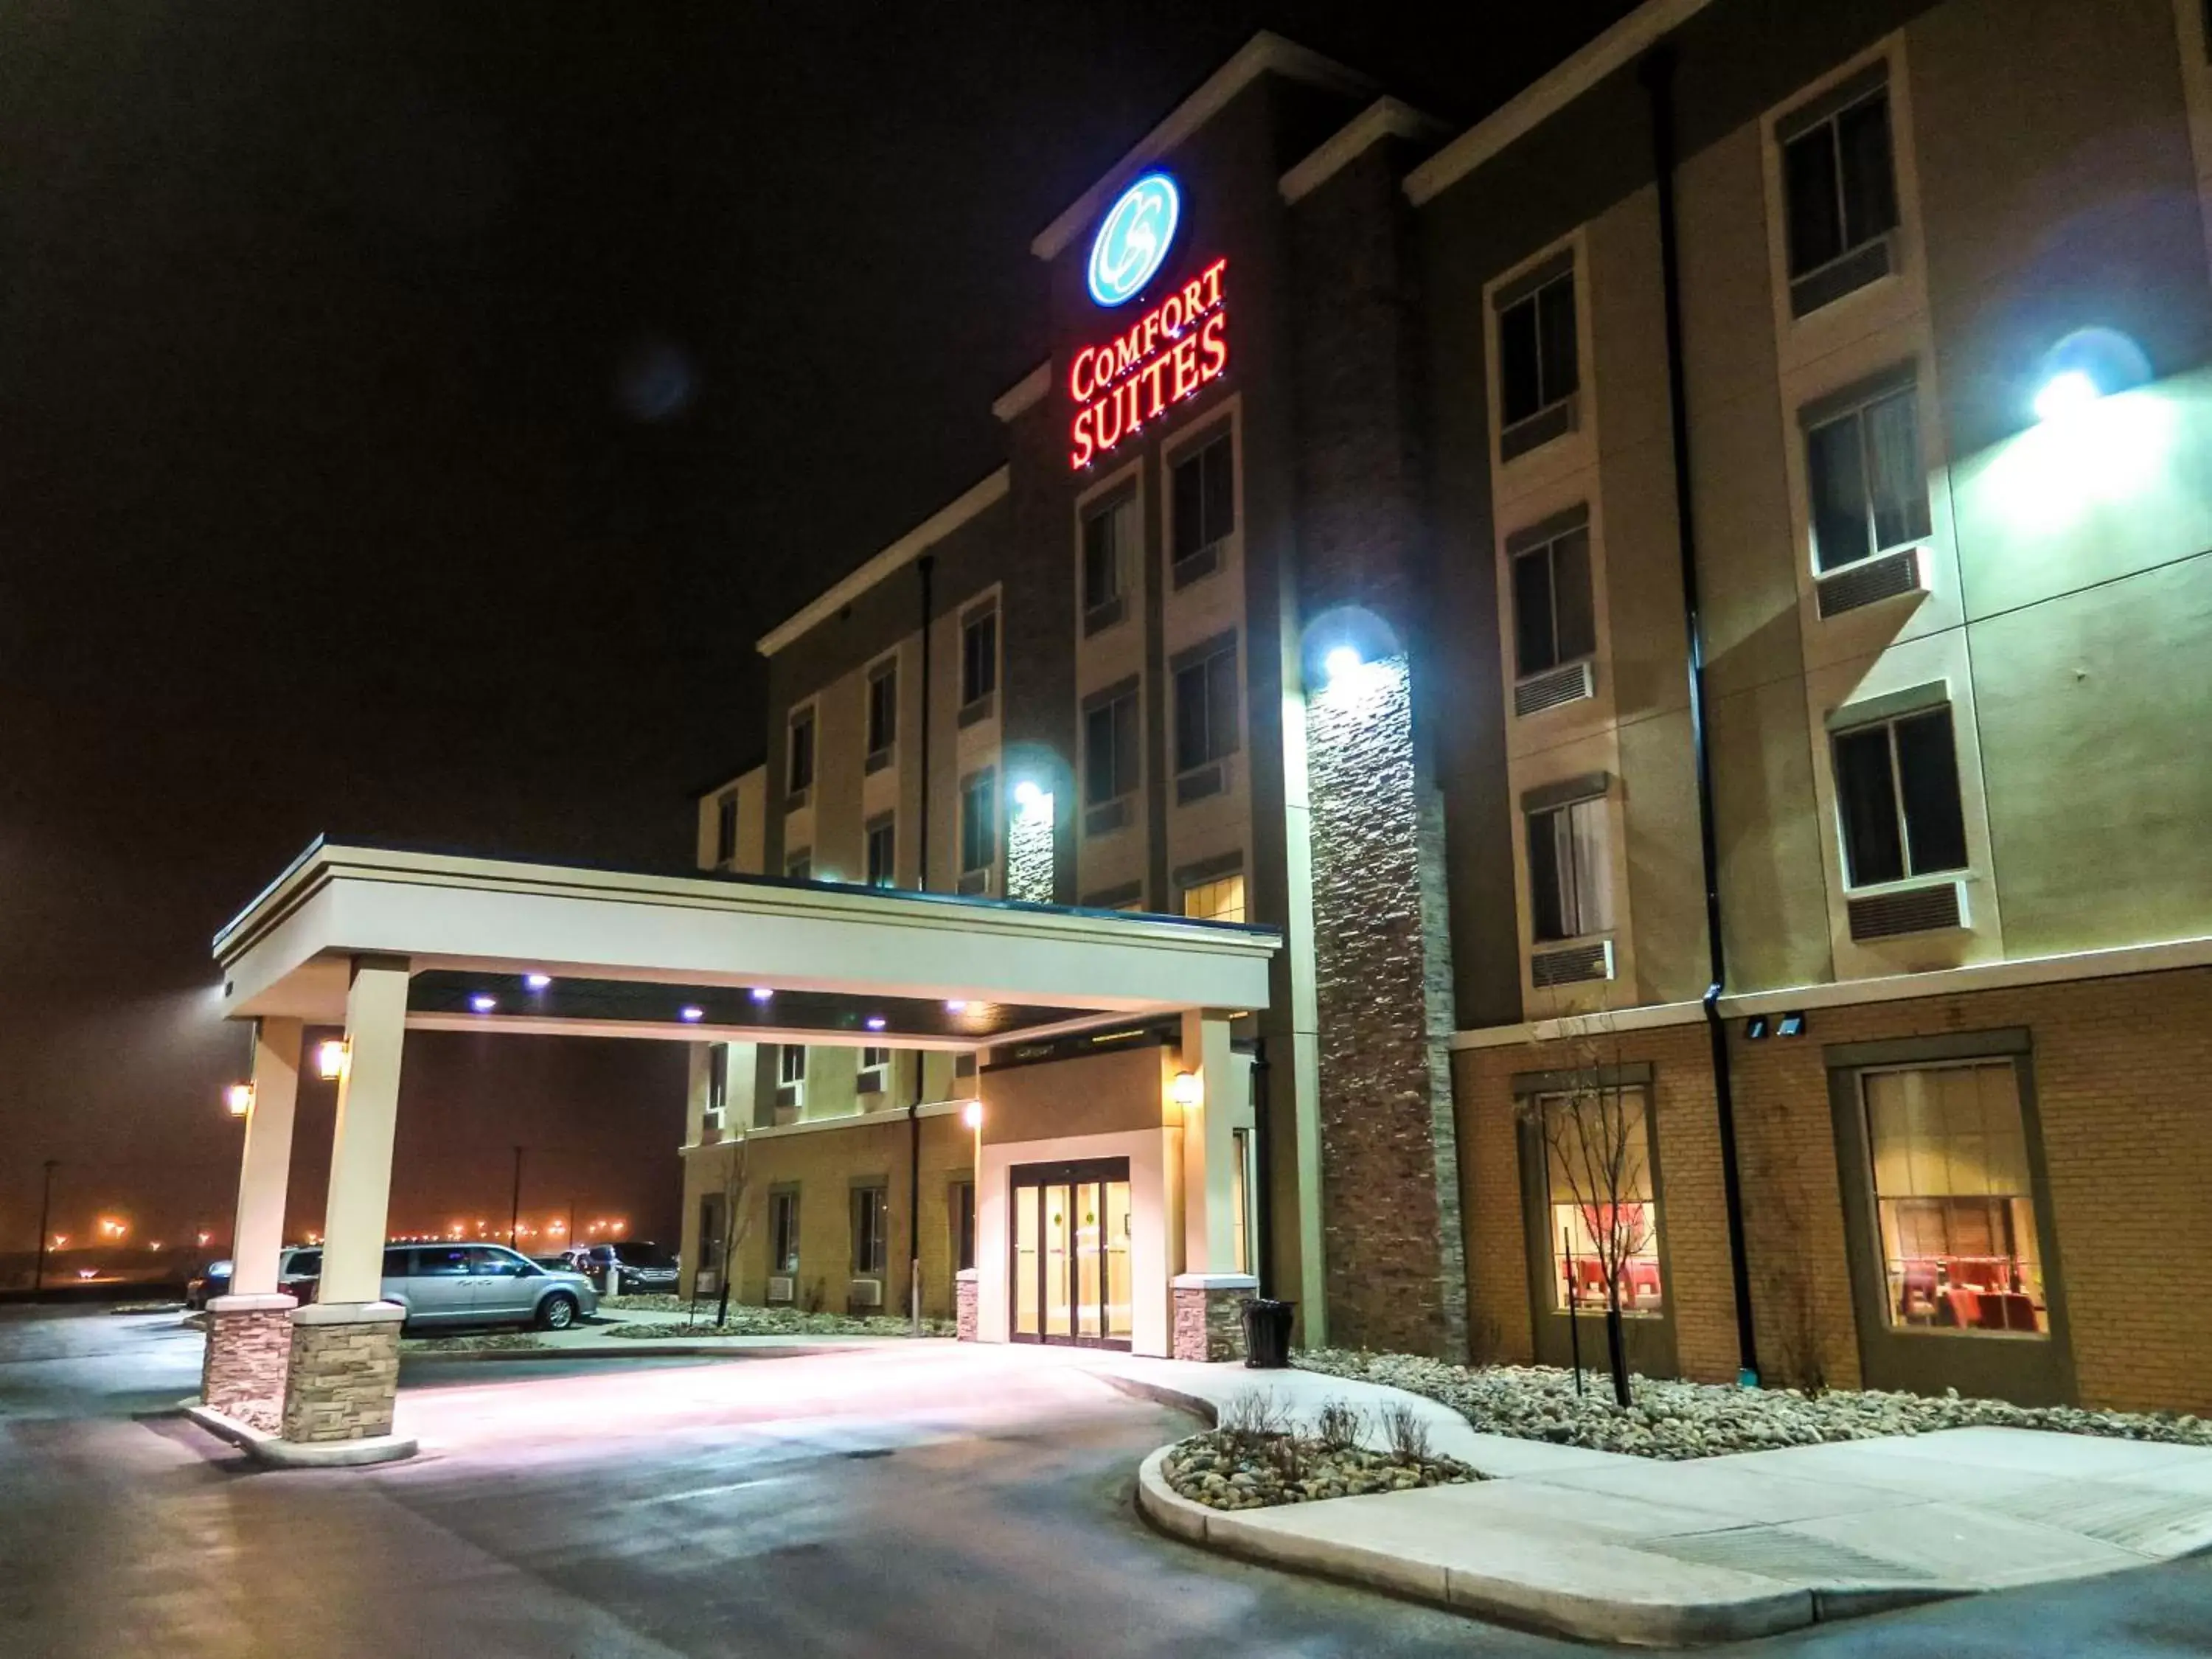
(735,1220)
(1597,1145)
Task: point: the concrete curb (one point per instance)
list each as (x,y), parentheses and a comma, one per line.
(301,1455)
(1586,1617)
(1160,1394)
(723,1349)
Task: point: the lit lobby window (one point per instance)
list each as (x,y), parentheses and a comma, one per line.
(1215,901)
(1597,1172)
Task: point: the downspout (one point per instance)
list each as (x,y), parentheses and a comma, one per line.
(1657,72)
(925,565)
(1263,1160)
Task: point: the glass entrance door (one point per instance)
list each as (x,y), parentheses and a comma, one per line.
(1071,1253)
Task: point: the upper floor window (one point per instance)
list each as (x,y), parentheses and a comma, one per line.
(1840,190)
(717,1076)
(1221,899)
(1539,363)
(725,829)
(1897,797)
(799,866)
(979,822)
(1206,707)
(1110,763)
(1110,531)
(1863,473)
(1554,618)
(979,654)
(883,708)
(798,774)
(1203,506)
(1570,870)
(882,852)
(791,1063)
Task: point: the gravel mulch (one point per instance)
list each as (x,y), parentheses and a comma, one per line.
(769,1321)
(1225,1471)
(485,1342)
(1675,1420)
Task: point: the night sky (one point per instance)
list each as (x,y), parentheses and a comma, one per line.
(409,417)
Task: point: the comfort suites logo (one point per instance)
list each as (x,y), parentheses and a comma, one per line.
(1134,239)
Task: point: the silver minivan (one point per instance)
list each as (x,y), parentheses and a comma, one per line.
(482,1285)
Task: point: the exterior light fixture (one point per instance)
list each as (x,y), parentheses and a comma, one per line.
(691,1013)
(956,1007)
(972,1114)
(483,1002)
(1340,661)
(1757,1029)
(2088,365)
(1027,794)
(2068,390)
(330,1059)
(1186,1090)
(239,1098)
(1791,1024)
(537,981)
(875,1022)
(762,993)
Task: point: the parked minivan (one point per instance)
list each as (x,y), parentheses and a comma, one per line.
(482,1285)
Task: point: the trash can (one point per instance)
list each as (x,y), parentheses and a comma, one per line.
(1267,1334)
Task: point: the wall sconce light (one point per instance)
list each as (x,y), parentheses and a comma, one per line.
(239,1098)
(1186,1090)
(331,1056)
(1757,1029)
(972,1114)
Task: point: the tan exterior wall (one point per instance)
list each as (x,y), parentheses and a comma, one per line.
(2122,1072)
(1104,1093)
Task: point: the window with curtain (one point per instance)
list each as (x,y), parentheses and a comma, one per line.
(1571,871)
(1219,899)
(1868,488)
(1953,1199)
(1604,1214)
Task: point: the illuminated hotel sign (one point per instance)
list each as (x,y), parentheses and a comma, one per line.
(1167,355)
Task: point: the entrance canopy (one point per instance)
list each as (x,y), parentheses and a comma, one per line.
(577,950)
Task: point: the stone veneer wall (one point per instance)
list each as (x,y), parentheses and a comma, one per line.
(965,1299)
(342,1381)
(1209,1323)
(1392,1239)
(242,1374)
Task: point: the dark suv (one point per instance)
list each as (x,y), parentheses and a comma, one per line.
(640,1266)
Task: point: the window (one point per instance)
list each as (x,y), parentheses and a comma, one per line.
(1604,1216)
(1110,763)
(717,1076)
(494,1264)
(1204,497)
(1863,472)
(1219,899)
(1953,1200)
(883,708)
(1554,620)
(883,852)
(1897,798)
(783,1232)
(1839,190)
(791,1063)
(979,822)
(963,1206)
(1109,553)
(799,866)
(443,1262)
(1206,709)
(799,776)
(1571,871)
(875,1068)
(870,1229)
(979,655)
(725,829)
(1240,1213)
(1539,367)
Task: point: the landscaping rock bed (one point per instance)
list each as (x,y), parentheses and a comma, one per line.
(484,1342)
(1237,1472)
(1675,1420)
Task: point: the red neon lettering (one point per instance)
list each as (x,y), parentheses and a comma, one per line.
(1170,315)
(1185,360)
(1080,382)
(1149,378)
(1213,345)
(1084,444)
(1150,329)
(1212,277)
(1193,300)
(1126,355)
(1109,434)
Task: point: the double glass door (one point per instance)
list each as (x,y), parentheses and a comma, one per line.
(1071,1254)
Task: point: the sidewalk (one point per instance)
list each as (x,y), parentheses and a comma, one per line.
(1605,1546)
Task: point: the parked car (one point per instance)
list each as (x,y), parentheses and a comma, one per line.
(482,1285)
(640,1266)
(298,1267)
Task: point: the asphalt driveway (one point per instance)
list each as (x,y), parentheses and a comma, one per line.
(915,1501)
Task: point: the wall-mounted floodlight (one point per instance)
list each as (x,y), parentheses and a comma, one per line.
(2088,365)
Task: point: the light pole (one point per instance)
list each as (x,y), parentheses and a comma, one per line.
(514,1208)
(46,1204)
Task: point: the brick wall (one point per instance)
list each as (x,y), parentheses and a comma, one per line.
(1391,1237)
(2123,1084)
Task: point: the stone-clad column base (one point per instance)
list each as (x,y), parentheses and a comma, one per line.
(1209,1315)
(249,1351)
(344,1371)
(965,1310)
